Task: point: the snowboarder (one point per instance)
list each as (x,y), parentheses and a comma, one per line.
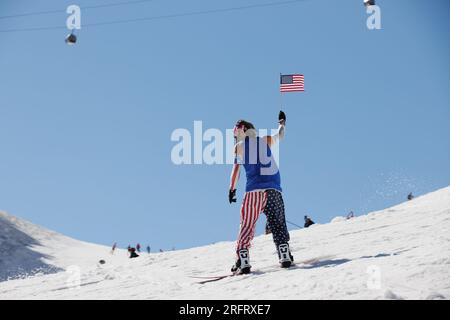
(148,249)
(410,196)
(138,247)
(308,222)
(350,215)
(133,253)
(262,193)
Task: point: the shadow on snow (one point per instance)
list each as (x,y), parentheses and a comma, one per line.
(17,259)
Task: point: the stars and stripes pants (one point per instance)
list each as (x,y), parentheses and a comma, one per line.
(271,203)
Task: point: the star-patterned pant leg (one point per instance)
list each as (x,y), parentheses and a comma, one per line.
(274,210)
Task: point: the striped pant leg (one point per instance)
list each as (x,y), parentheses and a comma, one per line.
(253,204)
(274,210)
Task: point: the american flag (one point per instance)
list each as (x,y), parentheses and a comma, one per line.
(292,82)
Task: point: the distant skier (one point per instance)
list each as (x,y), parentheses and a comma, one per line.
(262,193)
(133,253)
(148,249)
(410,196)
(138,247)
(267,228)
(350,215)
(308,222)
(114,247)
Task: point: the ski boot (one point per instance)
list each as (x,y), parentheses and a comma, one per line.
(242,265)
(285,256)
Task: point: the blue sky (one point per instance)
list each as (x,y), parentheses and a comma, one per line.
(85,130)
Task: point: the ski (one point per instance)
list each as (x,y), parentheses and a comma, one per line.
(207,279)
(204,277)
(215,278)
(212,279)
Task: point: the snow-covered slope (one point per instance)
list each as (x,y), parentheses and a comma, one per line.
(400,252)
(27,249)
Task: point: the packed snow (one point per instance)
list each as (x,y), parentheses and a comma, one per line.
(402,252)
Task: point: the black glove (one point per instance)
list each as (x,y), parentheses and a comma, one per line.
(232,196)
(281,117)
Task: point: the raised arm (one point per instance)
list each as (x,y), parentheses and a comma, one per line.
(270,140)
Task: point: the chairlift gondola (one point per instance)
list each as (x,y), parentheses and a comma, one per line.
(71,39)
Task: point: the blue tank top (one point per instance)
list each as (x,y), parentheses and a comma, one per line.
(260,166)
